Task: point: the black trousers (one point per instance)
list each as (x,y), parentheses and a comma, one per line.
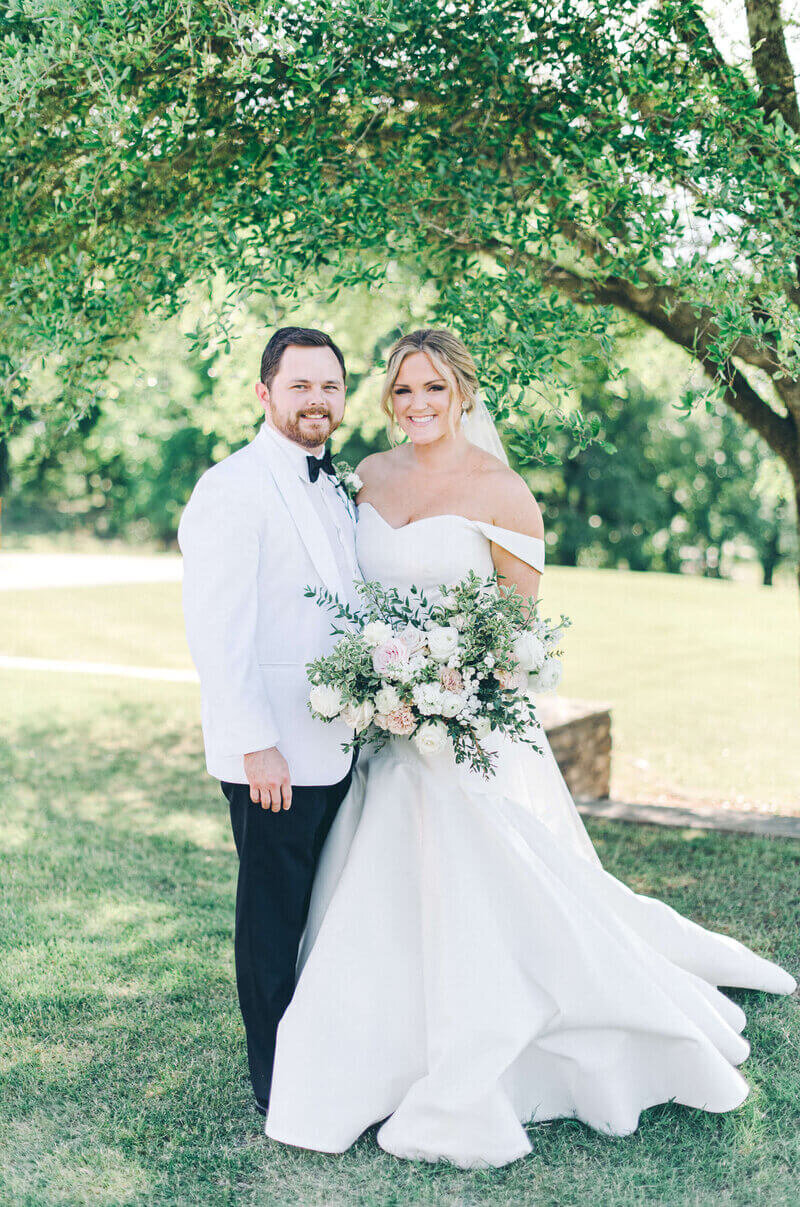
(278,854)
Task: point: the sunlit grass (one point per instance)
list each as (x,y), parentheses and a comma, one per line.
(140,624)
(702,676)
(121,1053)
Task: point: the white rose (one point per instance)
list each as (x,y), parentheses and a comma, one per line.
(546,679)
(529,651)
(358,715)
(325,700)
(442,642)
(430,738)
(482,727)
(387,698)
(451,704)
(449,601)
(375,633)
(458,621)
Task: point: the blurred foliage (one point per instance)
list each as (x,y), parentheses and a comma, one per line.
(664,493)
(171,407)
(658,492)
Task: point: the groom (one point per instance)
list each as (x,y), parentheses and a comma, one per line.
(261,525)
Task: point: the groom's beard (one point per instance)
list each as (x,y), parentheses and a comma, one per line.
(301,431)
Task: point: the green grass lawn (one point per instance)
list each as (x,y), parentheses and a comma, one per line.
(703,677)
(121,1051)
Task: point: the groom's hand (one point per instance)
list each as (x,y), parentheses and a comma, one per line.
(268,775)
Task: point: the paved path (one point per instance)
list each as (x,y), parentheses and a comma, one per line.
(11,662)
(693,819)
(23,571)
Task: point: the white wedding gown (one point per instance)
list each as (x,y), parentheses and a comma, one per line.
(468,966)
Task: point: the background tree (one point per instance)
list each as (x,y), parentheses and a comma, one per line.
(669,493)
(666,493)
(766,519)
(546,166)
(603,505)
(170,407)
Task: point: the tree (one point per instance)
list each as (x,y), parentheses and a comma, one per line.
(546,165)
(128,466)
(603,502)
(667,494)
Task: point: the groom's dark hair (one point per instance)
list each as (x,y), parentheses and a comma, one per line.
(306,337)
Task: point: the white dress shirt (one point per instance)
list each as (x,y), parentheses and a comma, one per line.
(331,505)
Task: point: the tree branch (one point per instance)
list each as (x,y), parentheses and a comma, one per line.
(683,326)
(771,61)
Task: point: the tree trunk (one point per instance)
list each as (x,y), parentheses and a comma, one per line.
(4,478)
(770,555)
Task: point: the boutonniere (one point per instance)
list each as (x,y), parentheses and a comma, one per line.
(348,479)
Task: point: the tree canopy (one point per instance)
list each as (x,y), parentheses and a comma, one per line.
(544,165)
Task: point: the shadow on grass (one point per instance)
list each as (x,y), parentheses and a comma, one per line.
(124,1069)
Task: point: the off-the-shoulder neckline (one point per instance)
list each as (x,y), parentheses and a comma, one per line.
(422,520)
(446,516)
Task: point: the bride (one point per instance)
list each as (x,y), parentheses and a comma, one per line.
(468,965)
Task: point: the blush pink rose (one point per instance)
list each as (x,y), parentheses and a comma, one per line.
(390,656)
(413,639)
(511,680)
(401,721)
(451,680)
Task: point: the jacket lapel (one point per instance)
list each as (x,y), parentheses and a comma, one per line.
(301,509)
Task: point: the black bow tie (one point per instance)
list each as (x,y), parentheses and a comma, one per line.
(315,464)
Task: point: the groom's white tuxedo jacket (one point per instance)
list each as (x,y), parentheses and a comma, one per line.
(252,539)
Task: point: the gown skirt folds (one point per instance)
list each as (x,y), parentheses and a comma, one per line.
(463,972)
(468,965)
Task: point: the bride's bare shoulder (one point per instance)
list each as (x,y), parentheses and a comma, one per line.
(508,498)
(376,467)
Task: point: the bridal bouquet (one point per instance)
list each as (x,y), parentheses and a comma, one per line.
(444,673)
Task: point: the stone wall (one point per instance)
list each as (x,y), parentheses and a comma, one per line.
(579,732)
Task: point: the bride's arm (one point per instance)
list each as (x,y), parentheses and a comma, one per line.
(514,507)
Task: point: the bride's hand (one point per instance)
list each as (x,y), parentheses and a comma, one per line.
(268,775)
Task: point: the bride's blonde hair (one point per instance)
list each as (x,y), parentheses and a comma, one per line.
(448,353)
